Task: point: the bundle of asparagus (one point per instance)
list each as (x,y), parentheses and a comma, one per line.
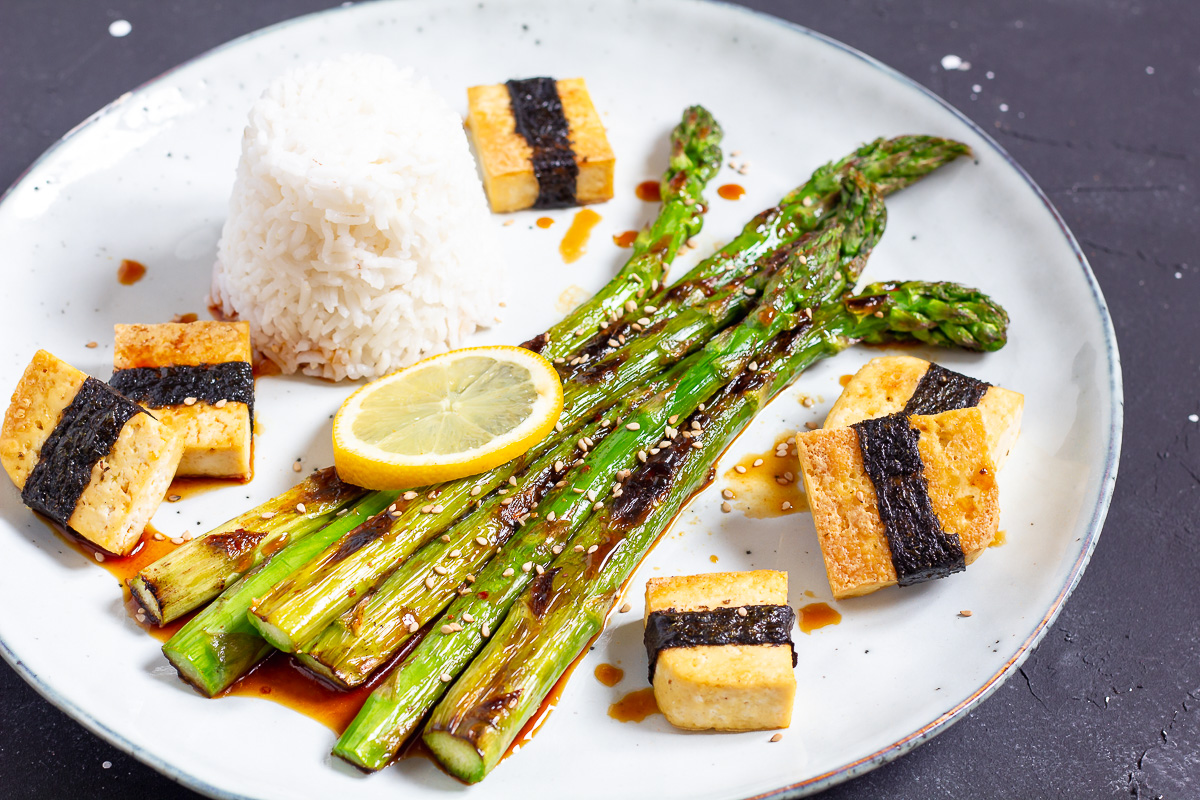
(513,571)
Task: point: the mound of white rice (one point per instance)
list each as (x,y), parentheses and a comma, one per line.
(358,238)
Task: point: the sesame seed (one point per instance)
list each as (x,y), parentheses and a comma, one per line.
(446,676)
(593,549)
(412,626)
(966,612)
(807,202)
(664,443)
(859,496)
(591,495)
(476,490)
(631,306)
(560,360)
(438,509)
(624,609)
(426,509)
(739,469)
(429,582)
(790,476)
(392,508)
(159,536)
(641,456)
(189,401)
(812,426)
(556,549)
(467,617)
(267,514)
(576,490)
(439,569)
(727,494)
(777,737)
(741,612)
(527,566)
(673,419)
(410,495)
(654,285)
(578,548)
(633,426)
(782,481)
(636,327)
(551,517)
(758,462)
(726,507)
(539,569)
(455,553)
(506,501)
(92,345)
(752,366)
(787,506)
(558,427)
(597,506)
(174,498)
(613,343)
(485,631)
(508,573)
(100,556)
(447,629)
(697,445)
(808,402)
(296,467)
(470,578)
(654,451)
(558,466)
(750,291)
(643,320)
(445,538)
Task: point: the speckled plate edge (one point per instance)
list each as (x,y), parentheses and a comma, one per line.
(846,771)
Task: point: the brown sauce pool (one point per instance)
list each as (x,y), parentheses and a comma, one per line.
(183,488)
(766,490)
(625,239)
(574,243)
(544,222)
(635,706)
(817,615)
(130,272)
(650,191)
(608,674)
(730,191)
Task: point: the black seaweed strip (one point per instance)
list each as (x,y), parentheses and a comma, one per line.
(159,387)
(941,390)
(921,550)
(720,626)
(89,427)
(538,113)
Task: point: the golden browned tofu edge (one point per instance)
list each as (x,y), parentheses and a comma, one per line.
(506,159)
(44,391)
(171,344)
(853,541)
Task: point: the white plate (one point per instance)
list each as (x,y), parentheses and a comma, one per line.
(147,178)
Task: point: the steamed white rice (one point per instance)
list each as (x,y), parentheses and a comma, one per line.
(358,238)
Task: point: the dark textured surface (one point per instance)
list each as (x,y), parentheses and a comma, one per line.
(1101,104)
(719,626)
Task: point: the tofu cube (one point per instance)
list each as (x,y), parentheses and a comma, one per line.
(723,687)
(506,158)
(216,440)
(125,487)
(962,490)
(885,384)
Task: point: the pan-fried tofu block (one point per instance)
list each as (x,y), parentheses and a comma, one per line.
(961,484)
(125,486)
(216,435)
(729,687)
(885,384)
(506,158)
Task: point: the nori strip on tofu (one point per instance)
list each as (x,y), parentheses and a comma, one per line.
(941,390)
(86,433)
(921,550)
(538,112)
(719,626)
(158,387)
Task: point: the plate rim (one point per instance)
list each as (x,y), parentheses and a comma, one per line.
(845,771)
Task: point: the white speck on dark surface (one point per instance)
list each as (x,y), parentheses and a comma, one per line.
(120,28)
(1004,106)
(1149,70)
(953,62)
(1193,418)
(106,765)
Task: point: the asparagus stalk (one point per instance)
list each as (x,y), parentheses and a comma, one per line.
(890,164)
(566,607)
(812,273)
(219,645)
(695,159)
(199,570)
(365,636)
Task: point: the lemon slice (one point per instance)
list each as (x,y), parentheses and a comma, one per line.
(456,414)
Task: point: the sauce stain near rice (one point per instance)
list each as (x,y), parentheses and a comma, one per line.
(574,243)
